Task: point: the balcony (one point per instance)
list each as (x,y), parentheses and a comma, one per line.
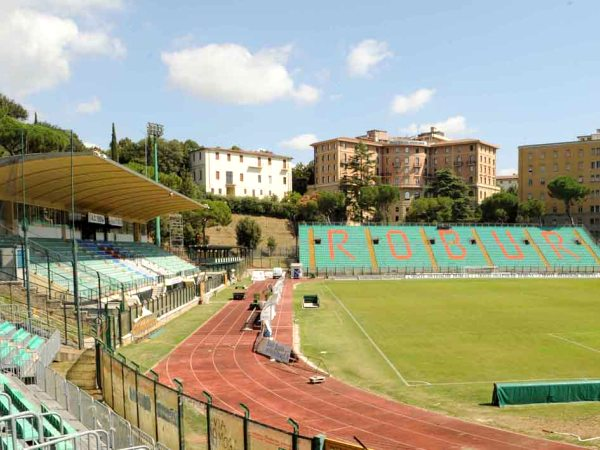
(458,163)
(472,162)
(417,165)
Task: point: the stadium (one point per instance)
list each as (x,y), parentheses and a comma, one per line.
(382,337)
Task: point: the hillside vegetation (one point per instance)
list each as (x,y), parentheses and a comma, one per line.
(278,228)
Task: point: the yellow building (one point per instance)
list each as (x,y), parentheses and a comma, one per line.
(410,163)
(541,163)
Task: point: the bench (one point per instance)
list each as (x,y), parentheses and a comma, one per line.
(239,295)
(310,301)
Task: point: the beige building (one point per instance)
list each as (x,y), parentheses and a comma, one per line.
(505,182)
(241,173)
(541,163)
(410,163)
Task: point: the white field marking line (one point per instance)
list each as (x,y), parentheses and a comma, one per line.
(574,343)
(383,355)
(460,383)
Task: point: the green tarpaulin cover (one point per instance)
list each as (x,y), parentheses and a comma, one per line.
(545,392)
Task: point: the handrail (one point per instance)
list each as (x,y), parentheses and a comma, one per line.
(51,443)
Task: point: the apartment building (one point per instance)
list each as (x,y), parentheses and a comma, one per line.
(580,159)
(237,172)
(506,182)
(410,163)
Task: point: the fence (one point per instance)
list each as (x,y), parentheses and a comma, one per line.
(177,420)
(91,413)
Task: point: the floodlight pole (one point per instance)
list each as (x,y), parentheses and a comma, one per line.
(25,236)
(74,250)
(156,130)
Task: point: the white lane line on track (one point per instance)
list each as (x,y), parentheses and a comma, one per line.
(383,355)
(574,343)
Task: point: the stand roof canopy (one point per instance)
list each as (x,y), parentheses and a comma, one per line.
(101,186)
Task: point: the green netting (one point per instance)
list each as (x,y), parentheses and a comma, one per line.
(545,392)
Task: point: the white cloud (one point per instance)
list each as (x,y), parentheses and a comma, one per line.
(364,56)
(40,58)
(453,126)
(510,171)
(230,73)
(98,43)
(300,142)
(411,102)
(91,107)
(75,7)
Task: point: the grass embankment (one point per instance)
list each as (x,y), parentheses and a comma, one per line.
(452,339)
(148,352)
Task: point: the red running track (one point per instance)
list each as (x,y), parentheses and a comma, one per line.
(218,358)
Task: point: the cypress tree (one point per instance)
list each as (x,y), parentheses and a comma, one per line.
(114,147)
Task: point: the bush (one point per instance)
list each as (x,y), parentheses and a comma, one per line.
(248,233)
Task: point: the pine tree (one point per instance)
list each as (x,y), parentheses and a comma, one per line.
(360,172)
(114,147)
(35,121)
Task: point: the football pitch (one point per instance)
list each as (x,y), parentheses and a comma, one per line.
(441,344)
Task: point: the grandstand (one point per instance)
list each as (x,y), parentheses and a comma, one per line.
(372,249)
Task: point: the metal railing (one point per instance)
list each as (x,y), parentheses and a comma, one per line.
(90,412)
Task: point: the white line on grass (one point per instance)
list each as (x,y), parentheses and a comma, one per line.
(574,343)
(383,355)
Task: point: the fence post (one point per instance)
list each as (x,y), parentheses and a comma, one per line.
(98,367)
(208,426)
(296,427)
(180,418)
(65,319)
(155,380)
(246,419)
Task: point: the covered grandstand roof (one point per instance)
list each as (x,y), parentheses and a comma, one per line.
(101,186)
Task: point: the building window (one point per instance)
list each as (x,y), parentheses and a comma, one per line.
(228,157)
(260,178)
(245,191)
(269,161)
(219,190)
(241,177)
(406,195)
(261,192)
(259,161)
(285,180)
(253,193)
(217,156)
(218,175)
(270,179)
(285,164)
(241,158)
(555,167)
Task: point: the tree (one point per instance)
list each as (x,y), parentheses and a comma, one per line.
(359,172)
(532,209)
(331,205)
(39,138)
(446,184)
(189,188)
(569,191)
(271,245)
(386,196)
(505,203)
(12,109)
(428,209)
(217,214)
(248,233)
(302,176)
(114,146)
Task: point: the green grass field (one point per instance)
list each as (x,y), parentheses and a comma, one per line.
(441,344)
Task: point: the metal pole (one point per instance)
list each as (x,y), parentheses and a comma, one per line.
(98,314)
(74,249)
(49,280)
(157,220)
(25,237)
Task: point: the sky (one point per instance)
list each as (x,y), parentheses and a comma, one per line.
(279,75)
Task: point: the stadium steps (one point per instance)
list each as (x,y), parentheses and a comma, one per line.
(83,372)
(482,247)
(369,240)
(428,248)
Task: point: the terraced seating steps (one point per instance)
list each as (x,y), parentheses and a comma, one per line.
(456,248)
